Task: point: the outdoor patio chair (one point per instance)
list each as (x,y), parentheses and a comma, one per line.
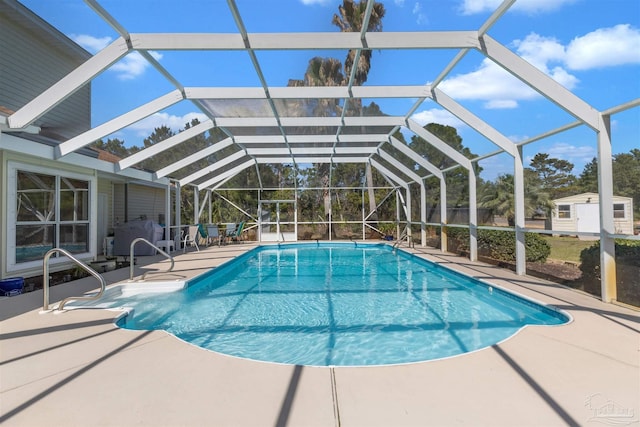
(213,234)
(229,232)
(237,234)
(192,237)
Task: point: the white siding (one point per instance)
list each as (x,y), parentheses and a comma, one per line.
(145,201)
(622,225)
(30,64)
(106,187)
(119,204)
(132,201)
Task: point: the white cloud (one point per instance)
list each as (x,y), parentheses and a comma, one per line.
(133,65)
(501,104)
(501,90)
(90,43)
(399,3)
(472,7)
(542,52)
(128,68)
(145,127)
(605,47)
(488,83)
(437,115)
(421,18)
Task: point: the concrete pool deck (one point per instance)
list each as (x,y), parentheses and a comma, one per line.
(77,368)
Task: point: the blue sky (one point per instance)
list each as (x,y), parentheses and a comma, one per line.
(592,47)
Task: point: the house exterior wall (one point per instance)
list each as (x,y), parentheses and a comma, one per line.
(34,56)
(8,162)
(145,201)
(3,216)
(119,204)
(138,201)
(105,186)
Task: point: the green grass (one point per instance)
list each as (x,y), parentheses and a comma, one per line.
(567,248)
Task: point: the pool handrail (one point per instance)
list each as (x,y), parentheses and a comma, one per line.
(404,235)
(131,258)
(45,283)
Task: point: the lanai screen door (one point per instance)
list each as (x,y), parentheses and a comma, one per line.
(278,221)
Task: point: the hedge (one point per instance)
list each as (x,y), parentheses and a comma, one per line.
(500,245)
(627,270)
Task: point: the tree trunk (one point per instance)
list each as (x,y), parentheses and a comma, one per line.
(371,192)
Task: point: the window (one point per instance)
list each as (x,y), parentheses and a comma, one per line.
(52,209)
(564,211)
(618,210)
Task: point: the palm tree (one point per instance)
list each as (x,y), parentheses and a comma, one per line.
(320,72)
(499,197)
(351,19)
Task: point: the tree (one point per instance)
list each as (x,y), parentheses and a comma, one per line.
(113,146)
(351,19)
(320,72)
(500,197)
(588,179)
(626,177)
(456,179)
(554,175)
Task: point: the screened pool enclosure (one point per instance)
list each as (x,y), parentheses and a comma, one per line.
(318,158)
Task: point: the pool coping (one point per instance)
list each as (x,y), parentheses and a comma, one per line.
(77,368)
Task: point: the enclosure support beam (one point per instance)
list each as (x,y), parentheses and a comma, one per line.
(539,81)
(423,214)
(68,85)
(178,212)
(607,227)
(196,206)
(118,123)
(164,145)
(167,214)
(423,192)
(518,189)
(205,203)
(473,216)
(443,215)
(393,177)
(398,212)
(465,163)
(193,158)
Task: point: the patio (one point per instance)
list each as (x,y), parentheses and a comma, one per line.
(77,368)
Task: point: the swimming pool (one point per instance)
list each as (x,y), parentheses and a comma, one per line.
(337,305)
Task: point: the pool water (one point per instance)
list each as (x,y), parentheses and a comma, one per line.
(338,305)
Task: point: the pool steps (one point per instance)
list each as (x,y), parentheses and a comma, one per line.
(111,297)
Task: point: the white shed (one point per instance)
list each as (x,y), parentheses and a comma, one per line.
(581,213)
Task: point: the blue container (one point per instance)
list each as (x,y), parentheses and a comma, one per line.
(11,286)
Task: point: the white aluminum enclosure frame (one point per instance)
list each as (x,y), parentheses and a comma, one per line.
(289,148)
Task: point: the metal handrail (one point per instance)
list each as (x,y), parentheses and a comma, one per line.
(403,235)
(142,239)
(45,284)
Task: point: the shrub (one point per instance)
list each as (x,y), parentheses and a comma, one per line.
(538,249)
(627,270)
(501,245)
(457,239)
